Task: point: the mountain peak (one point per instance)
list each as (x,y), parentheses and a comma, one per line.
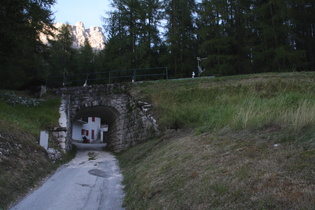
(79,33)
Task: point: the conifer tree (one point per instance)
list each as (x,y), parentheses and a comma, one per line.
(180,37)
(269,52)
(62,55)
(133,35)
(302,36)
(85,61)
(223,36)
(21,51)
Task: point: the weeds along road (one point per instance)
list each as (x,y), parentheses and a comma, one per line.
(92,180)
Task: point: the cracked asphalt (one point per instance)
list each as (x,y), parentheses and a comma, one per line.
(92,180)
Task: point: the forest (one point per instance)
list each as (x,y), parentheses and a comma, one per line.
(229,37)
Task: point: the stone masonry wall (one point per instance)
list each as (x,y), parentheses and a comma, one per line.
(130,124)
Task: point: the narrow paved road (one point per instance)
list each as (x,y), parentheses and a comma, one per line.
(90,181)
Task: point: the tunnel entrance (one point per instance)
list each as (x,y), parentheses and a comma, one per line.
(95,125)
(128,121)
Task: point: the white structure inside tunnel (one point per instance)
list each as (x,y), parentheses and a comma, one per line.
(89,127)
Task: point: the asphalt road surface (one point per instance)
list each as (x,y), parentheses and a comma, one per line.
(90,181)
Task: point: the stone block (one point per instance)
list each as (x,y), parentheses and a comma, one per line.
(43,141)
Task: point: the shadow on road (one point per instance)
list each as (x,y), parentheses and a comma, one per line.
(83,146)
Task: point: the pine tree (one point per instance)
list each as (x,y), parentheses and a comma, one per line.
(120,46)
(149,40)
(218,37)
(302,37)
(21,51)
(86,61)
(62,55)
(133,39)
(180,37)
(273,50)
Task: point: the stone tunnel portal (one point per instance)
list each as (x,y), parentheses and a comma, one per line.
(109,115)
(128,121)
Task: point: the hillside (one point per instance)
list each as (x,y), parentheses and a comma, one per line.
(23,163)
(241,142)
(244,142)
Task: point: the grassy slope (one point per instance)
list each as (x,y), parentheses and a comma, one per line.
(242,142)
(22,161)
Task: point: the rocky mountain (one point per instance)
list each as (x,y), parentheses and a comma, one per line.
(79,33)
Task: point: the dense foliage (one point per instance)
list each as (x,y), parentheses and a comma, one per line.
(232,37)
(22,54)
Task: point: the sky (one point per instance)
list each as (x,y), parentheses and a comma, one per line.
(87,11)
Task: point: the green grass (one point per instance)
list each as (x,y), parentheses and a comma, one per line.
(242,142)
(235,103)
(31,119)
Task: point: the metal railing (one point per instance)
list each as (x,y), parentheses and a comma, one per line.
(118,76)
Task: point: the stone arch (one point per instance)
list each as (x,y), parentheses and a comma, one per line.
(109,114)
(128,119)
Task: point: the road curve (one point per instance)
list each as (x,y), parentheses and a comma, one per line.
(92,180)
